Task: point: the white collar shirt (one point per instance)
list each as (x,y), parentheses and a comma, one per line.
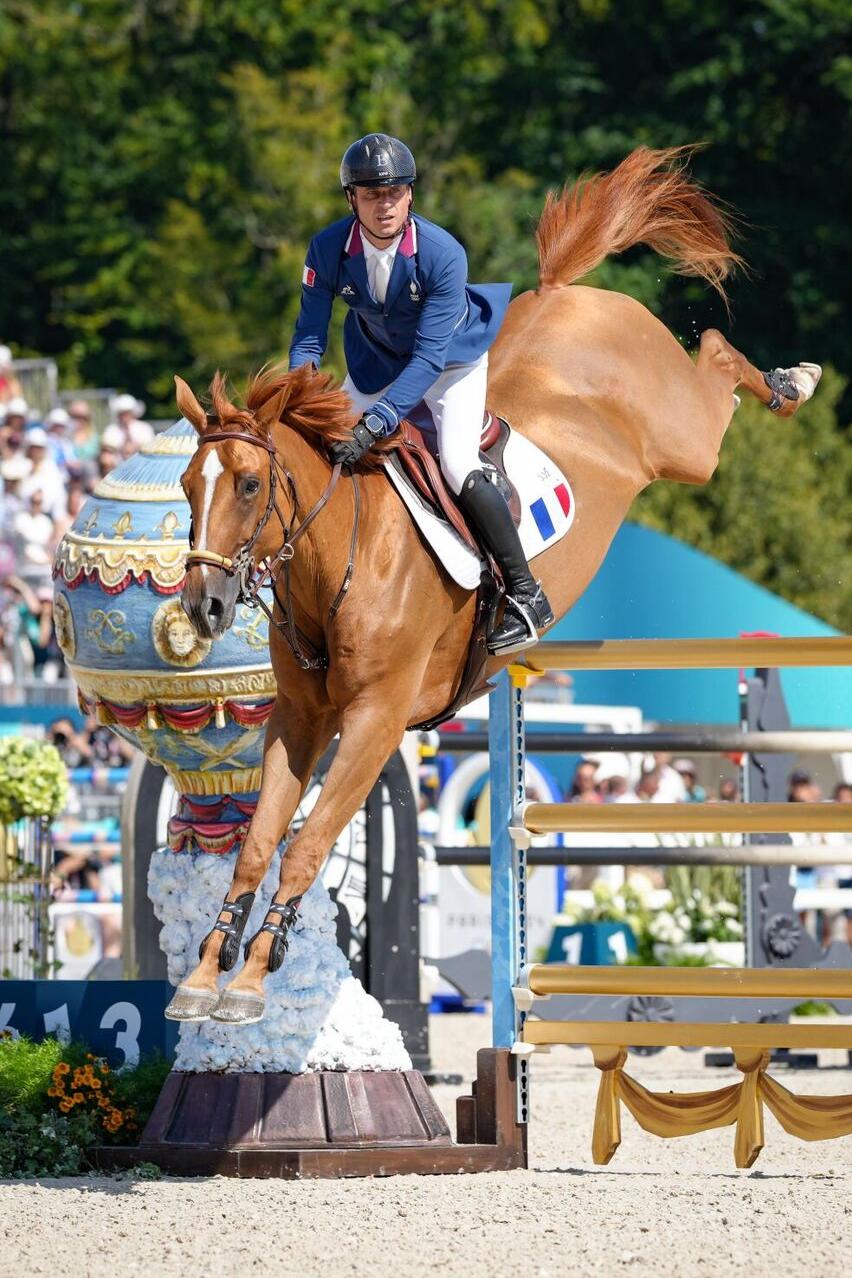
(379,262)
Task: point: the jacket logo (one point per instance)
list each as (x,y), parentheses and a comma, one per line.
(309,276)
(347,291)
(413,290)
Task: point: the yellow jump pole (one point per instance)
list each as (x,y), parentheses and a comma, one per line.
(687,818)
(689,654)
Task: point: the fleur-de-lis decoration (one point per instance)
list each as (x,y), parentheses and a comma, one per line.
(167,525)
(123,525)
(90,522)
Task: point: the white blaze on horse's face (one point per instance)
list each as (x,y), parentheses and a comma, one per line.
(212,469)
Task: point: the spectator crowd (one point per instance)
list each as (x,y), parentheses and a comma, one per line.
(49,463)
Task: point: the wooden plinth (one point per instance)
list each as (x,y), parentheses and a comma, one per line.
(327,1124)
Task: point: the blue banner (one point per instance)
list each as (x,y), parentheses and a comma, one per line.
(120,1020)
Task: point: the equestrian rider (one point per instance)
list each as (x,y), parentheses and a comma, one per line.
(416,331)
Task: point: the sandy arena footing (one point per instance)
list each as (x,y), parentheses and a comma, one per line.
(661,1207)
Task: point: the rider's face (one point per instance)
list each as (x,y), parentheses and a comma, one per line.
(382,210)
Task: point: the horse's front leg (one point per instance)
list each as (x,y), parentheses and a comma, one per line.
(295,740)
(371,728)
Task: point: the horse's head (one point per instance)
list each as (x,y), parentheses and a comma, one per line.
(237,506)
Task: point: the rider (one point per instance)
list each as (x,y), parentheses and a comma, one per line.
(416,331)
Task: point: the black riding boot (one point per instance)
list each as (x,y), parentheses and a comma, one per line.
(527,608)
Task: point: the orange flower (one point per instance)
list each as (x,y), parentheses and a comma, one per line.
(66,1105)
(96,1084)
(62,1068)
(78,1098)
(53,1091)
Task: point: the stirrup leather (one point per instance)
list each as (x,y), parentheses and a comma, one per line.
(288,914)
(229,950)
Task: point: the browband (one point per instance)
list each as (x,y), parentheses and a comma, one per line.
(246,438)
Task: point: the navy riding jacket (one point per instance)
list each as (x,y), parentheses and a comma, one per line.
(431,319)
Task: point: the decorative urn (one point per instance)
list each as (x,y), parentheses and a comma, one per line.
(199,709)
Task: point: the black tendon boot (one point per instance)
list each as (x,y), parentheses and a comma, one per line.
(527,608)
(229,950)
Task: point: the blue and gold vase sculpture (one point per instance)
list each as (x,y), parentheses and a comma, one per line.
(199,709)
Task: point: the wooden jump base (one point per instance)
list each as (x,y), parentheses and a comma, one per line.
(516,986)
(328,1124)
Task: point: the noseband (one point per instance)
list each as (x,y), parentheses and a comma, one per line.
(252,579)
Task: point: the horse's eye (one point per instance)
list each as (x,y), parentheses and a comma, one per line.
(251,487)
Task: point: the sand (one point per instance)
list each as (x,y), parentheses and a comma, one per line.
(661,1207)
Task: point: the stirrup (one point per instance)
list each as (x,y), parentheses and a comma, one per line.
(288,914)
(531,613)
(782,386)
(229,950)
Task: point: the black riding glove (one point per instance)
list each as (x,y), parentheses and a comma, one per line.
(349,451)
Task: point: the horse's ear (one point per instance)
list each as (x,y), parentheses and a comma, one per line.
(189,405)
(270,413)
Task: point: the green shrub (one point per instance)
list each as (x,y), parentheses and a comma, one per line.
(58,1100)
(33,780)
(47,1144)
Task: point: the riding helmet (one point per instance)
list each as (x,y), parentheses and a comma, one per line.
(377,160)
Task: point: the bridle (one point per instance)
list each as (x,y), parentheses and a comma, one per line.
(251,578)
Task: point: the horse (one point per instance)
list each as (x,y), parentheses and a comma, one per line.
(589,375)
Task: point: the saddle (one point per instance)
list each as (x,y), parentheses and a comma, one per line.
(416,459)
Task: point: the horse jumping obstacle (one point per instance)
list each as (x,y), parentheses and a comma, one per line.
(516,985)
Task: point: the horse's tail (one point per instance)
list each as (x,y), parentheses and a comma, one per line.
(649,200)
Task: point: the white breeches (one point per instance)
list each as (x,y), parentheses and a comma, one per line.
(457,404)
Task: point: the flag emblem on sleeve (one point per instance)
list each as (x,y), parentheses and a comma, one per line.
(309,276)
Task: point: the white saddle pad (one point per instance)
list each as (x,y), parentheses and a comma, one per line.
(547,510)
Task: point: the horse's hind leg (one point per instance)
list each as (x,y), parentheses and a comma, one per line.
(295,739)
(784,390)
(371,728)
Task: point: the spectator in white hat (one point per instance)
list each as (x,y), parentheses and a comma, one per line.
(12,471)
(111,452)
(45,476)
(10,387)
(128,415)
(58,426)
(83,434)
(17,412)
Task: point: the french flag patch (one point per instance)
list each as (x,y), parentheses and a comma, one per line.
(309,276)
(551,511)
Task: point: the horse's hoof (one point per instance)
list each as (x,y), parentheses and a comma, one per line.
(240,1007)
(189,1004)
(806,377)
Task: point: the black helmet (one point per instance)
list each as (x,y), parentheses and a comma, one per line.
(377,160)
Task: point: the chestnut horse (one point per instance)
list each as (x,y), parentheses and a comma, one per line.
(590,376)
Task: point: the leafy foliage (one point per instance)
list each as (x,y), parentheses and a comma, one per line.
(33,780)
(165,165)
(58,1100)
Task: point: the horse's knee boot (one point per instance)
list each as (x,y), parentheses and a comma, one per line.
(229,950)
(287,915)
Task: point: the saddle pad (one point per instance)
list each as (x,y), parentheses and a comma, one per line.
(547,510)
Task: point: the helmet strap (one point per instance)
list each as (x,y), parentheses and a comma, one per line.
(350,199)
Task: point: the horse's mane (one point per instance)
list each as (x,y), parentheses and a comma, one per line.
(310,402)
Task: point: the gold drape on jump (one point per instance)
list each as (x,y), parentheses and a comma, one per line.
(671,1114)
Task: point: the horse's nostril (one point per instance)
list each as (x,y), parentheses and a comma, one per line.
(215,610)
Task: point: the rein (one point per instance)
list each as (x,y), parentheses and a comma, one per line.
(253,578)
